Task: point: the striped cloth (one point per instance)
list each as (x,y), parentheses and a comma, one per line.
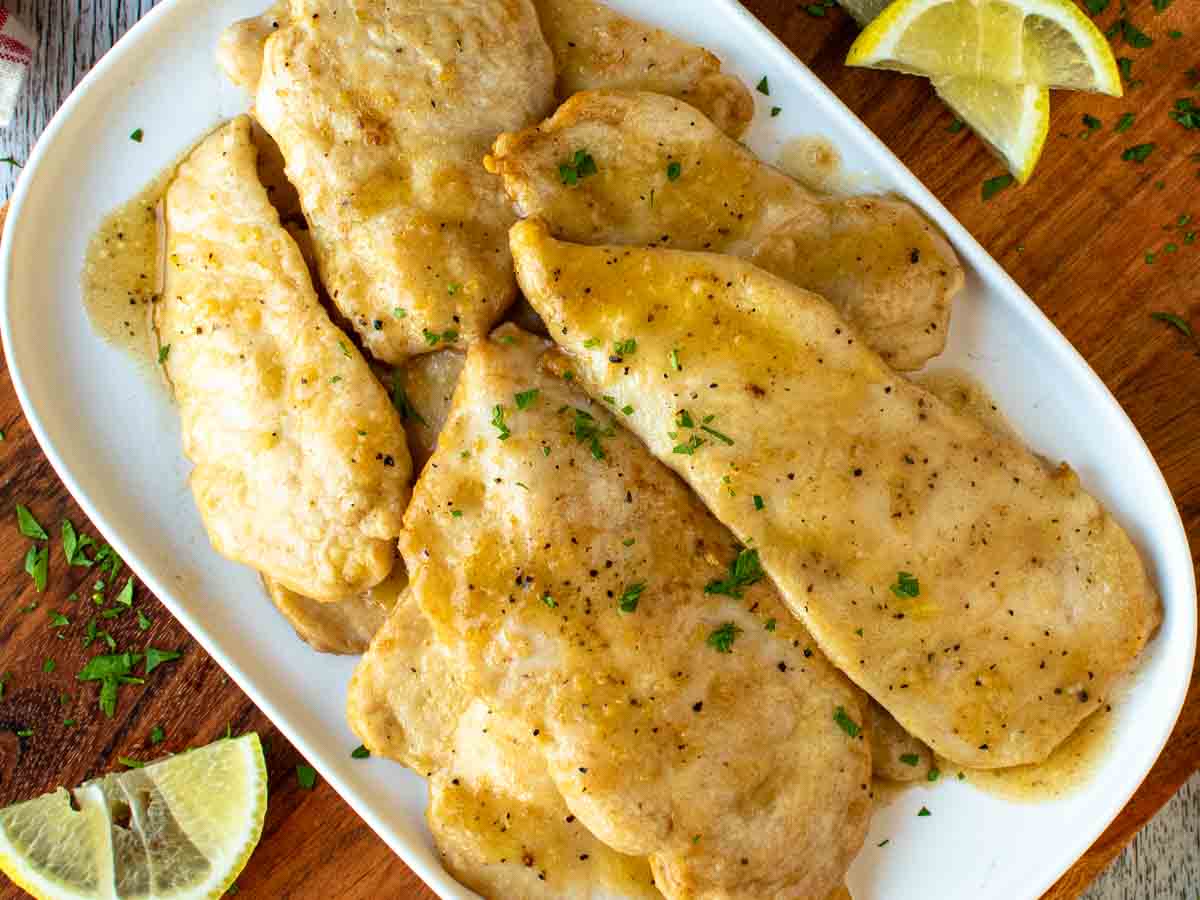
(16,52)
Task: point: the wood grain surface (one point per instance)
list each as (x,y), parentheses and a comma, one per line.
(1076,239)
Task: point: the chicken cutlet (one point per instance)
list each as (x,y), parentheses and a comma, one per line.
(497,819)
(301,466)
(979,594)
(596,47)
(666,176)
(343,626)
(383,113)
(588,595)
(422,390)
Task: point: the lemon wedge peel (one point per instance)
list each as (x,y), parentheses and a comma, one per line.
(878,45)
(84,836)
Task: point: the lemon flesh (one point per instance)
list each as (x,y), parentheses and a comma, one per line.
(178,829)
(1050,43)
(1012,119)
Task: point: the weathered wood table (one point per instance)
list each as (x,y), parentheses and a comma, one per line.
(1090,239)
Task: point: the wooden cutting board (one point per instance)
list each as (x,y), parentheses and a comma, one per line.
(1076,239)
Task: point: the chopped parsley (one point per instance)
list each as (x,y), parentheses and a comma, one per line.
(360,752)
(398,312)
(846,723)
(758,502)
(432,338)
(721,639)
(1125,65)
(29,526)
(1160,5)
(456,513)
(403,404)
(770,626)
(744,571)
(723,438)
(549,600)
(156,657)
(157,735)
(674,170)
(136,135)
(108,560)
(125,597)
(909,759)
(922,812)
(453,288)
(163,352)
(525,399)
(956,126)
(498,422)
(1186,113)
(588,431)
(48,666)
(74,545)
(1134,36)
(580,165)
(1179,323)
(906,585)
(673,359)
(1138,153)
(306,776)
(887,841)
(1092,124)
(25,732)
(776,110)
(994,186)
(627,410)
(684,419)
(58,620)
(1174,34)
(764,87)
(143,621)
(694,443)
(592,343)
(1125,122)
(11,161)
(111,670)
(623,348)
(628,601)
(934,774)
(37,561)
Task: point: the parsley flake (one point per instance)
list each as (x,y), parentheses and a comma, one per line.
(588,431)
(306,776)
(29,526)
(549,600)
(628,601)
(1138,153)
(157,735)
(763,87)
(924,812)
(994,186)
(1177,322)
(906,585)
(156,657)
(580,165)
(498,422)
(721,639)
(744,571)
(360,752)
(1125,122)
(845,723)
(909,759)
(525,398)
(674,170)
(37,561)
(136,135)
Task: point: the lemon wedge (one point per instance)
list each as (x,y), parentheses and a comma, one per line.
(1050,43)
(1012,119)
(178,829)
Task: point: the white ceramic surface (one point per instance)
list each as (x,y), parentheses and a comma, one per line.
(110,432)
